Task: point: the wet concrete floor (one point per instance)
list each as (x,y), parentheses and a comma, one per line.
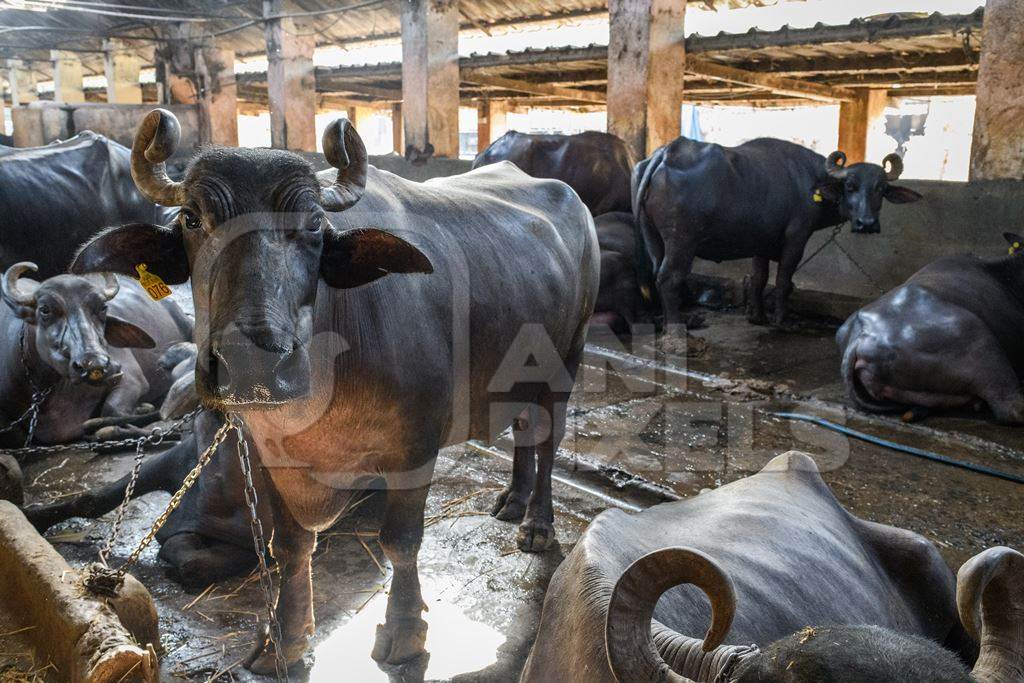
(643,427)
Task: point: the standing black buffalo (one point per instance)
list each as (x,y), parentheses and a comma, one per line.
(762,199)
(346,371)
(619,301)
(801,590)
(948,337)
(53,198)
(596,165)
(93,343)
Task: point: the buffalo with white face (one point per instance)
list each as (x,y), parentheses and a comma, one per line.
(357,339)
(800,591)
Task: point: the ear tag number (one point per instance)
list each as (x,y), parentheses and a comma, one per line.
(817,196)
(153,285)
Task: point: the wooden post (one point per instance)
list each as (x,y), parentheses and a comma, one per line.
(491,122)
(397,134)
(646,58)
(67,77)
(22,82)
(291,81)
(217,96)
(998,145)
(175,66)
(856,117)
(430,76)
(3,111)
(122,70)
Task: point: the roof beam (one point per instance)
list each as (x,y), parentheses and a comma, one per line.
(534,88)
(779,85)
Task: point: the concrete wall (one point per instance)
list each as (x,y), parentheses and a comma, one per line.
(41,123)
(953,218)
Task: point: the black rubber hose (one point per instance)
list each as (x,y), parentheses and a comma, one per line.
(917,452)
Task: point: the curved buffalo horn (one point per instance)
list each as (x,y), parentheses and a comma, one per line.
(346,152)
(110,286)
(990,600)
(155,142)
(836,164)
(10,284)
(632,652)
(893,165)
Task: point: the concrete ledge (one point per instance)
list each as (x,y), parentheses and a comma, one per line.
(88,639)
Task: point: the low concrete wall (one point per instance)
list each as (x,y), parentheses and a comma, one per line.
(41,123)
(433,168)
(952,218)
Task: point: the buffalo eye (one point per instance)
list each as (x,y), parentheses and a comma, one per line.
(316,221)
(190,219)
(44,310)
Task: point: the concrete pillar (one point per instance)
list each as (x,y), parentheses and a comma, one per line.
(856,119)
(291,81)
(646,55)
(175,66)
(397,134)
(67,77)
(430,75)
(491,122)
(122,69)
(22,82)
(998,146)
(217,96)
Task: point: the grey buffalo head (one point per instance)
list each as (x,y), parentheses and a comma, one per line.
(990,600)
(858,190)
(255,237)
(68,321)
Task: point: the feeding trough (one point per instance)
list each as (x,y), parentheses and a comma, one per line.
(86,638)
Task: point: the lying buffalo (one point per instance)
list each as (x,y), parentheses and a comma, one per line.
(344,369)
(762,199)
(950,336)
(53,198)
(802,590)
(619,301)
(207,537)
(596,165)
(93,343)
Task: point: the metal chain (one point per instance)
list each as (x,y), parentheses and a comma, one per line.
(99,578)
(832,238)
(859,267)
(259,545)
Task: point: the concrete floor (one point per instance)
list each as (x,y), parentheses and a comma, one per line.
(643,427)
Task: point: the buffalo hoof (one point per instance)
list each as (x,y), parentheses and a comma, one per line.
(262,659)
(535,536)
(509,507)
(759,319)
(400,642)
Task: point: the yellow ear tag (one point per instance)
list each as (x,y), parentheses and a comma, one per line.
(817,196)
(153,285)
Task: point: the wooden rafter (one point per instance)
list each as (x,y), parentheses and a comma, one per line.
(573,94)
(779,85)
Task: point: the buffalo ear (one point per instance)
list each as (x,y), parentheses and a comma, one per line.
(124,335)
(121,248)
(357,257)
(831,191)
(897,194)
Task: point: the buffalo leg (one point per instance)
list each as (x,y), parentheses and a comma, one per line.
(755,293)
(292,546)
(401,639)
(671,280)
(537,531)
(511,503)
(158,473)
(792,252)
(199,561)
